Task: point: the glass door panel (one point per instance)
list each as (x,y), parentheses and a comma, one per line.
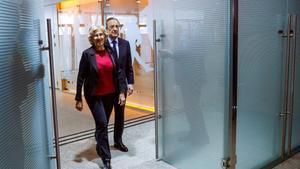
(25,118)
(192,84)
(294,9)
(260,82)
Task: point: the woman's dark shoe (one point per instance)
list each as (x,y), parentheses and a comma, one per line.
(106,165)
(121,147)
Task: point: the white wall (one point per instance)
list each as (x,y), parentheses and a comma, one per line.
(51,13)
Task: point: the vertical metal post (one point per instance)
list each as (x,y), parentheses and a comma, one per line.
(233,82)
(155,90)
(293,34)
(53,94)
(286,90)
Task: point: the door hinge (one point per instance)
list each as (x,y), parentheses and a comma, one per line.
(225,163)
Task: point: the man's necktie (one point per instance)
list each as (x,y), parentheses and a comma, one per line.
(115,48)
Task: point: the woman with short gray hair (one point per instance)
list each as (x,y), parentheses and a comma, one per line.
(102,79)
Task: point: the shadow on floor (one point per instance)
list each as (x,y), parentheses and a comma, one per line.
(90,154)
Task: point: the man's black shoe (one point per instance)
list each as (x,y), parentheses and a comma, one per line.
(121,147)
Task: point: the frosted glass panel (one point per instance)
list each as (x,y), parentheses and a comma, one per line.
(25,131)
(294,8)
(260,79)
(193,81)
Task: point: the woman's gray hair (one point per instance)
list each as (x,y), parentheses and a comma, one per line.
(92,32)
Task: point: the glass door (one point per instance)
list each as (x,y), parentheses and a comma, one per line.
(260,82)
(192,81)
(25,116)
(267,82)
(294,106)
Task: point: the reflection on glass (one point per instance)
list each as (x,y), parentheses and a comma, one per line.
(193,69)
(26,137)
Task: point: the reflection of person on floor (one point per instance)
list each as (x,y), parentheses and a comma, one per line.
(104,84)
(121,49)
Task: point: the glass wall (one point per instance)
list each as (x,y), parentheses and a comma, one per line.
(260,82)
(193,75)
(294,8)
(266,95)
(25,120)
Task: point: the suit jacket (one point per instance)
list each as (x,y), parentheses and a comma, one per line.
(88,73)
(125,59)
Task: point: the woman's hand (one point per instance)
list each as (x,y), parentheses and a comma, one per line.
(122,99)
(79,105)
(129,89)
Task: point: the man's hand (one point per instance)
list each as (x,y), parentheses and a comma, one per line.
(130,89)
(122,99)
(79,105)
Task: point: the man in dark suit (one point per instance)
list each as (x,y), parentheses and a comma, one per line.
(121,50)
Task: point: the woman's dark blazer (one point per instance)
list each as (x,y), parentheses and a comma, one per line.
(88,73)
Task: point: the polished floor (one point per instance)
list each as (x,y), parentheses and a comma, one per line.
(139,139)
(292,163)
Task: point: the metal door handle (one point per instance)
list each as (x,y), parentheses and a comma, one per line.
(157,113)
(53,92)
(293,35)
(282,114)
(284,35)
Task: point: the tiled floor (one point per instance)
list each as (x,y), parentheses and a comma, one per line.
(292,163)
(139,139)
(141,143)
